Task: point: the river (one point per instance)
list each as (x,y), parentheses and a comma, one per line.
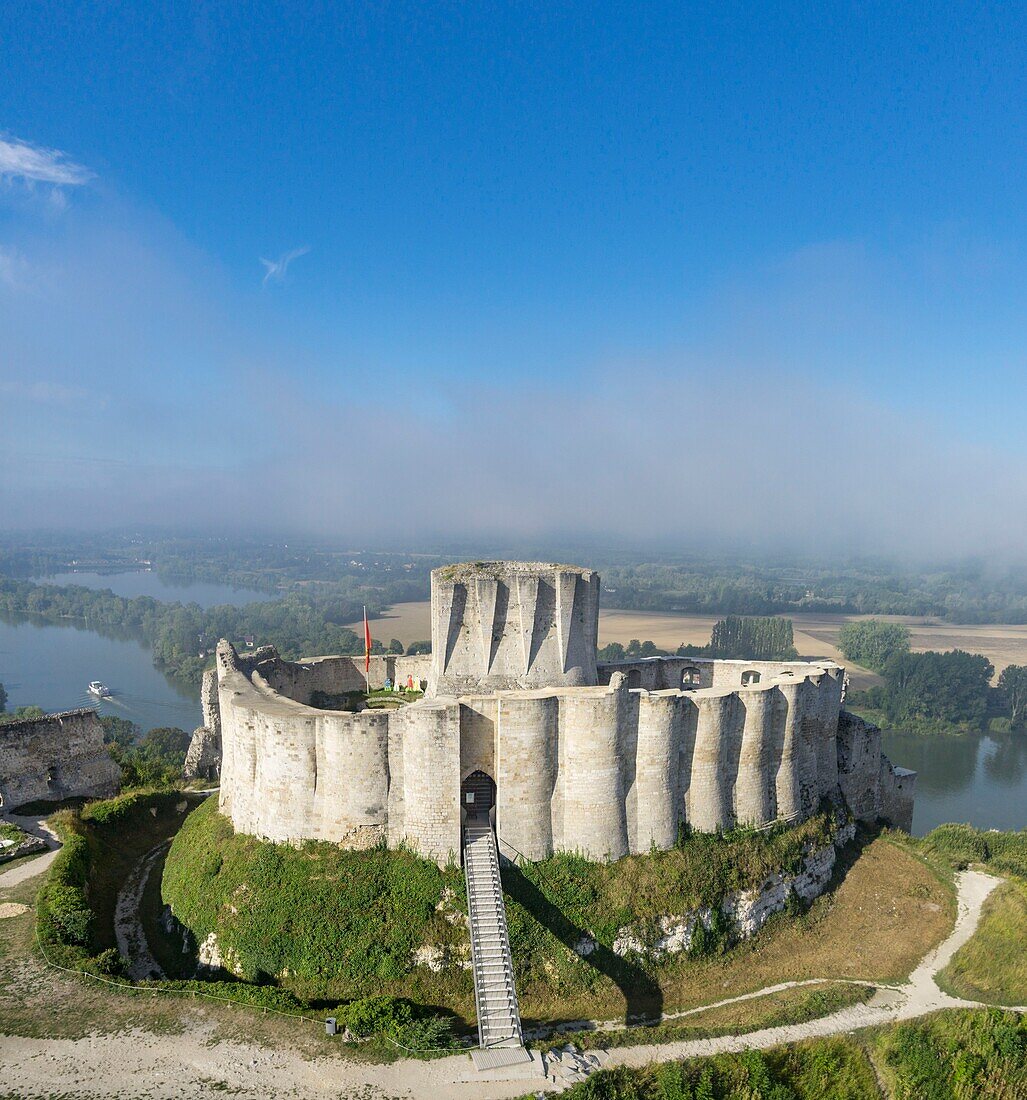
(49,663)
(145,583)
(977,778)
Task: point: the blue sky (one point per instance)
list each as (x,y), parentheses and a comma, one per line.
(735,271)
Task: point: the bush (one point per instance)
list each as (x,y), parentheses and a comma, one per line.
(63,915)
(110,963)
(958,845)
(377,1016)
(961,845)
(116,811)
(69,914)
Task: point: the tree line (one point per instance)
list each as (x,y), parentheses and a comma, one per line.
(755,638)
(932,690)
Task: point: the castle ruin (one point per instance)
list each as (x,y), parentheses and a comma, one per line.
(55,757)
(600,759)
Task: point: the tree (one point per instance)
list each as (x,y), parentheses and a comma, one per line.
(20,714)
(396,646)
(155,760)
(951,687)
(416,648)
(612,652)
(1013,685)
(752,638)
(166,742)
(119,731)
(871,643)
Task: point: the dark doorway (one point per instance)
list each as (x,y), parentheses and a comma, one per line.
(478,794)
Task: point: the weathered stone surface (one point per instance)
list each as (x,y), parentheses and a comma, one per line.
(508,625)
(747,910)
(873,787)
(203,758)
(213,958)
(55,757)
(583,760)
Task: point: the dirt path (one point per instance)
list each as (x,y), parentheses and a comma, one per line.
(138,1063)
(34,826)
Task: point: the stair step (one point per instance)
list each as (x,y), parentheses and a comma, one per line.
(494,990)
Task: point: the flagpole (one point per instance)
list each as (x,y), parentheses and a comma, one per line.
(367,652)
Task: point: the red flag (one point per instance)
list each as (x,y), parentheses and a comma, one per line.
(367,645)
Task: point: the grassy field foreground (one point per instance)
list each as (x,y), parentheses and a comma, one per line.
(964,1055)
(992,967)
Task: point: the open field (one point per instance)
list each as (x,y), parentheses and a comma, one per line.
(816,634)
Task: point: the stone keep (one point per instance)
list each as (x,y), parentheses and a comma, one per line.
(604,760)
(502,625)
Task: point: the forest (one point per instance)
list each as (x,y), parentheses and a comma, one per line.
(932,692)
(716,583)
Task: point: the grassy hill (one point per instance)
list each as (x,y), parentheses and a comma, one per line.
(331,924)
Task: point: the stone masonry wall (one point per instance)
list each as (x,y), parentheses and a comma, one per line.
(56,757)
(508,625)
(605,771)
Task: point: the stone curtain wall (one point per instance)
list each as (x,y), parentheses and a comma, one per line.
(604,771)
(55,757)
(609,771)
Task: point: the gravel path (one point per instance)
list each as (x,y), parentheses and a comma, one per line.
(34,826)
(142,1064)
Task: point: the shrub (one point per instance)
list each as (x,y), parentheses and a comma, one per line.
(958,845)
(63,915)
(116,811)
(69,913)
(110,963)
(377,1016)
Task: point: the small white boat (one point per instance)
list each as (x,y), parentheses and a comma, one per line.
(100,690)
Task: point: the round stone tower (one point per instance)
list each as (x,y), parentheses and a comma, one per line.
(500,625)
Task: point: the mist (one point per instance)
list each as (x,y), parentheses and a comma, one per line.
(792,407)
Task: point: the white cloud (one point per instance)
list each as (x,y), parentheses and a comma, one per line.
(35,164)
(276,269)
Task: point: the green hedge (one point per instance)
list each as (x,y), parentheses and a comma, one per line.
(63,917)
(124,807)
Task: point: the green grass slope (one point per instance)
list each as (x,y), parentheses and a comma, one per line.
(322,921)
(325,922)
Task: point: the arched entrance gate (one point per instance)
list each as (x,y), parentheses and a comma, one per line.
(478,795)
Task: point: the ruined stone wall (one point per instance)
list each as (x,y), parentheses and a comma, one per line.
(874,789)
(299,680)
(59,756)
(290,772)
(203,759)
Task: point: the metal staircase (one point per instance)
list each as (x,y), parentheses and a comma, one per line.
(499,1021)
